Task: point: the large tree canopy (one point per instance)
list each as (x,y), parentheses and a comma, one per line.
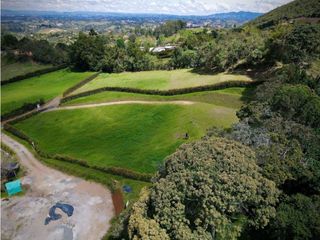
(208,190)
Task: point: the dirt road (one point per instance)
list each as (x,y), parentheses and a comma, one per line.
(120,103)
(23,217)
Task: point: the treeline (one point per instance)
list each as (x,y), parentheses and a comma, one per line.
(37,50)
(209,50)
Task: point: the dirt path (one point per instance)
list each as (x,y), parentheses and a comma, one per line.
(23,217)
(120,103)
(54,103)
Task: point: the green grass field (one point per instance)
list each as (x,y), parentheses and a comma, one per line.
(162,80)
(132,136)
(46,86)
(13,69)
(230,97)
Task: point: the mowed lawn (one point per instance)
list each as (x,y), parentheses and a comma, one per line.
(133,136)
(10,70)
(162,80)
(230,97)
(45,87)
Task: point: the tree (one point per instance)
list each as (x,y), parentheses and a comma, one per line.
(298,102)
(213,187)
(8,41)
(87,52)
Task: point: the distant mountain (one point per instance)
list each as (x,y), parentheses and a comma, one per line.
(232,16)
(292,10)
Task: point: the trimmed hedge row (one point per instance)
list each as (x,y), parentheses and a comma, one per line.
(27,107)
(80,84)
(32,74)
(29,115)
(170,92)
(110,170)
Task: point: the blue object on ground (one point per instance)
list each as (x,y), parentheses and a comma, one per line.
(127,189)
(13,187)
(66,208)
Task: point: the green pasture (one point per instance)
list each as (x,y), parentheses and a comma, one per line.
(230,97)
(133,136)
(45,87)
(13,69)
(162,80)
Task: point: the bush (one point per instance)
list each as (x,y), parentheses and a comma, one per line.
(298,102)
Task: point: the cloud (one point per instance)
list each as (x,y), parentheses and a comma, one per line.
(199,7)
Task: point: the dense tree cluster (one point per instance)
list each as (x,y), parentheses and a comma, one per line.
(208,189)
(38,50)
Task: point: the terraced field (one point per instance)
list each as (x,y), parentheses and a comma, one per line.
(128,130)
(230,97)
(161,80)
(13,69)
(45,87)
(133,136)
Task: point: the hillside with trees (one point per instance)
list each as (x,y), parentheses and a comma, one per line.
(260,179)
(293,10)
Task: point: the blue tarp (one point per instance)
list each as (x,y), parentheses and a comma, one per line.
(127,189)
(66,208)
(13,187)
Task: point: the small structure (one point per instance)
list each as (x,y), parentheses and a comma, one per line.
(10,169)
(161,49)
(13,187)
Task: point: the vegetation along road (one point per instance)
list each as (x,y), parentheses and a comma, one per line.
(24,216)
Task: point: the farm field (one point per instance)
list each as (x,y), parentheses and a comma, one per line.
(10,70)
(161,80)
(231,97)
(133,136)
(45,87)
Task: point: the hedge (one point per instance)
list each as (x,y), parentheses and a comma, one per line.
(110,170)
(33,74)
(80,84)
(27,107)
(170,92)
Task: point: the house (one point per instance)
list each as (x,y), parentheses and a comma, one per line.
(161,49)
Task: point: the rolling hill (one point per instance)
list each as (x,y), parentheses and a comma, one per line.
(292,10)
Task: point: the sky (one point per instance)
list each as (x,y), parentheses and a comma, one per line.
(179,7)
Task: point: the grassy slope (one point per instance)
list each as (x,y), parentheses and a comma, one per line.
(231,97)
(89,174)
(132,136)
(13,69)
(46,86)
(162,80)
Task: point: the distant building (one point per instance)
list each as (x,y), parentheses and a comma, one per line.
(162,49)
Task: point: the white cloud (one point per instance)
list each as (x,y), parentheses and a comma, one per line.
(199,7)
